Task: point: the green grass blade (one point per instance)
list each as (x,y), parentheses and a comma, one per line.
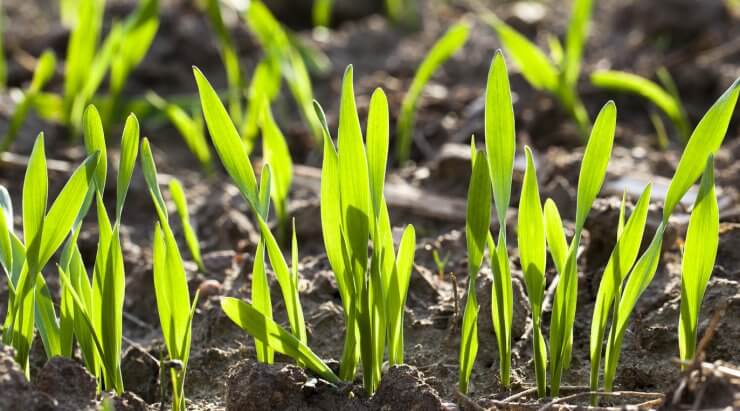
(46,319)
(82,45)
(704,141)
(501,303)
(331,222)
(397,294)
(257,325)
(500,134)
(229,56)
(478,217)
(639,278)
(94,139)
(149,170)
(321,12)
(443,49)
(469,339)
(226,139)
(191,129)
(65,209)
(129,152)
(288,287)
(534,65)
(35,192)
(191,239)
(377,146)
(620,263)
(595,161)
(699,253)
(478,213)
(575,40)
(556,240)
(261,301)
(87,329)
(264,85)
(354,184)
(532,255)
(632,83)
(112,289)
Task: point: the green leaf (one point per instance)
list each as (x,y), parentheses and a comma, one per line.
(261,301)
(94,139)
(354,184)
(556,241)
(112,312)
(500,134)
(478,214)
(531,237)
(149,169)
(377,146)
(191,129)
(699,253)
(321,12)
(331,222)
(288,285)
(619,265)
(595,161)
(443,49)
(35,192)
(632,83)
(398,290)
(83,41)
(181,205)
(129,152)
(226,139)
(575,40)
(534,65)
(257,325)
(469,339)
(229,56)
(46,319)
(264,85)
(639,278)
(705,141)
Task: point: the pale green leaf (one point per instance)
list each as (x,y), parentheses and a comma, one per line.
(500,134)
(595,161)
(256,325)
(704,141)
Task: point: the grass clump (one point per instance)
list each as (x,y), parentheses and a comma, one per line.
(43,233)
(170,282)
(477,223)
(95,307)
(695,161)
(353,212)
(699,253)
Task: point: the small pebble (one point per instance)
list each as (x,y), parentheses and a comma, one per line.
(209,288)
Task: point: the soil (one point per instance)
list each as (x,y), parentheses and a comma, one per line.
(697,43)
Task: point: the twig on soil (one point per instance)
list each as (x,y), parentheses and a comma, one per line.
(653,397)
(466,402)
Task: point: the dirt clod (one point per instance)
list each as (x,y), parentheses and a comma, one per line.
(403,388)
